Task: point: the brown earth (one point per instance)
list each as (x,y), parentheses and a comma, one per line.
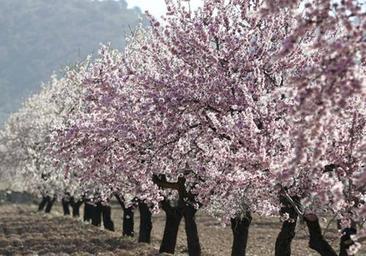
(23,231)
(216,240)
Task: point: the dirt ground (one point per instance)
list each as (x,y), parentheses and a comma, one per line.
(216,240)
(23,231)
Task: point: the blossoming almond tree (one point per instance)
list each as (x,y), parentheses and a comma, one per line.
(219,98)
(323,89)
(213,70)
(100,147)
(28,132)
(240,106)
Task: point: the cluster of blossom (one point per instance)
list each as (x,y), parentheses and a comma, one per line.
(244,99)
(27,134)
(99,146)
(328,127)
(237,106)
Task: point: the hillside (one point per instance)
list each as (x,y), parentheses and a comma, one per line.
(41,36)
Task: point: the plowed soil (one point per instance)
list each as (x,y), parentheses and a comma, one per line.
(24,231)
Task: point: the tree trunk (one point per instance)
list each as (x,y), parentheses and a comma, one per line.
(50,204)
(346,240)
(96,216)
(145,223)
(287,233)
(65,206)
(172,221)
(194,248)
(188,211)
(128,222)
(107,220)
(317,241)
(88,211)
(76,207)
(240,229)
(43,203)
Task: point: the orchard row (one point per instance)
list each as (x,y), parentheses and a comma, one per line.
(239,107)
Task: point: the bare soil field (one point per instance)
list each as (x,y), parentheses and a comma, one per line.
(216,240)
(23,231)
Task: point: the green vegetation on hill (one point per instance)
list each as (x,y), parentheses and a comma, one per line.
(40,36)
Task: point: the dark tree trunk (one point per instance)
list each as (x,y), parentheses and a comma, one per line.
(317,241)
(128,222)
(43,203)
(65,206)
(287,233)
(96,216)
(240,229)
(107,220)
(172,221)
(188,211)
(76,207)
(145,223)
(194,248)
(50,204)
(346,240)
(88,211)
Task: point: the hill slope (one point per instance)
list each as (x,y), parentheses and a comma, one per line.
(40,36)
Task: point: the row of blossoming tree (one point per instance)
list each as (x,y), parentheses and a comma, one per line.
(238,107)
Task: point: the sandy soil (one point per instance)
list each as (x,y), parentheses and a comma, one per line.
(23,231)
